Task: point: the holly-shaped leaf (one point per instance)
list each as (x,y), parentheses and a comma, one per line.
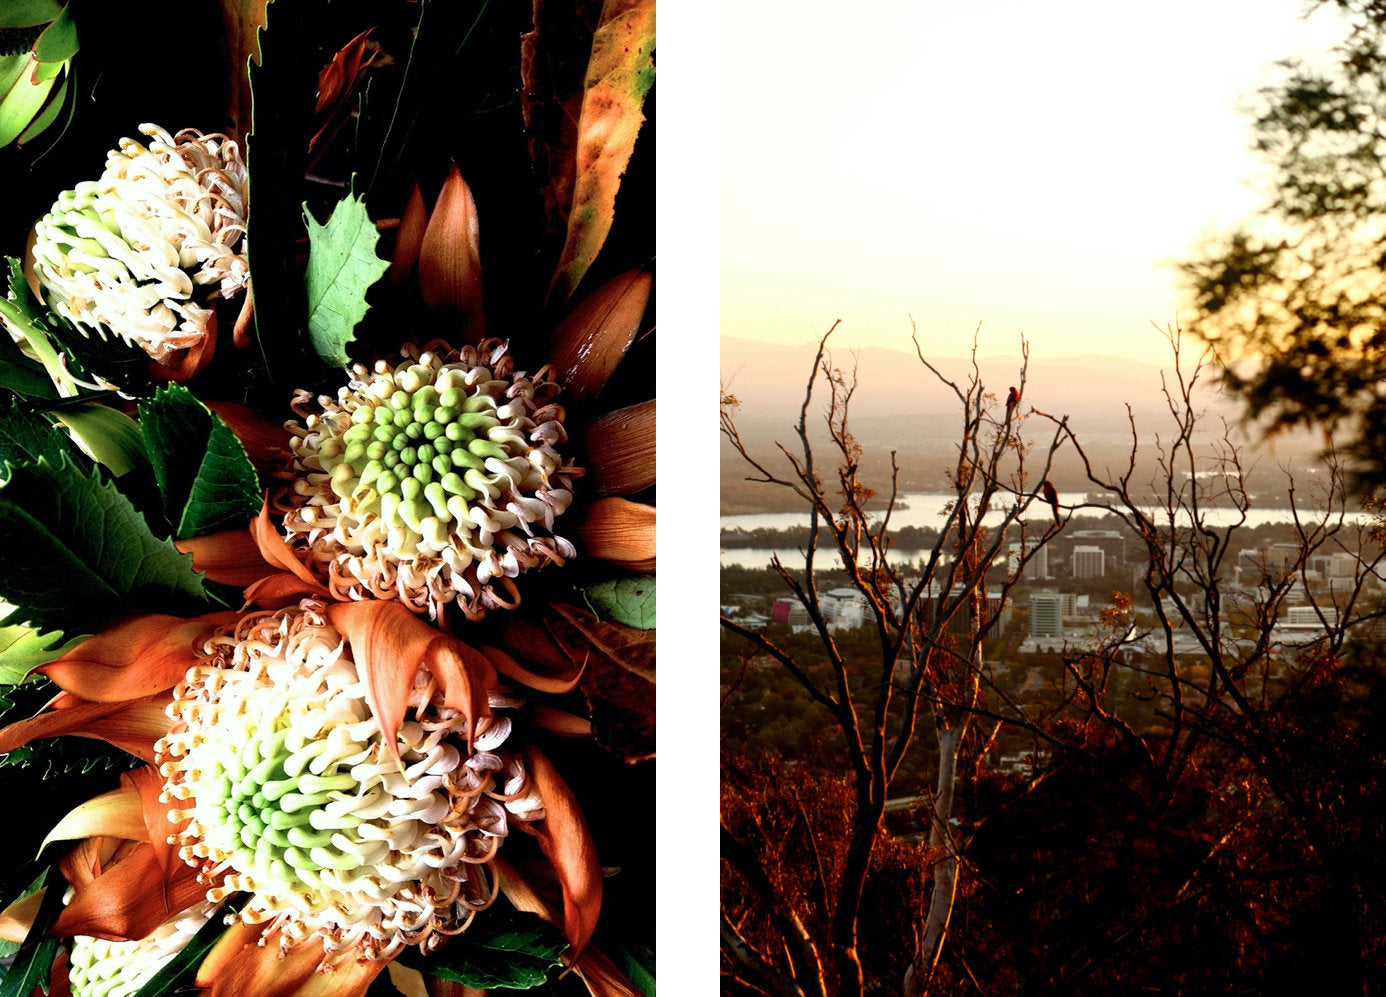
(205,477)
(78,556)
(22,649)
(25,437)
(342,265)
(628,601)
(510,950)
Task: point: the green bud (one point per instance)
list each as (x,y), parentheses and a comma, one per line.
(437,498)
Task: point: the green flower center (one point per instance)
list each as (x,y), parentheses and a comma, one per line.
(275,807)
(433,480)
(291,796)
(421,454)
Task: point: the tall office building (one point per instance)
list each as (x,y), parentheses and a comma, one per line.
(1046,614)
(1089,562)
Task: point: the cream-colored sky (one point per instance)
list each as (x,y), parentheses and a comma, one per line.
(1033,167)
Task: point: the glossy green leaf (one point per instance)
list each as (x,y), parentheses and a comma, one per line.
(630,601)
(21,105)
(637,962)
(205,477)
(58,43)
(78,556)
(179,972)
(28,13)
(35,957)
(342,265)
(107,436)
(510,950)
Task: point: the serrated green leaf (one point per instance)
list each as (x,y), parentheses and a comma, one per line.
(109,437)
(510,951)
(78,556)
(342,266)
(54,757)
(35,958)
(629,601)
(22,649)
(205,477)
(25,437)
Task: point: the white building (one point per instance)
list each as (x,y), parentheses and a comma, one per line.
(1089,562)
(1046,614)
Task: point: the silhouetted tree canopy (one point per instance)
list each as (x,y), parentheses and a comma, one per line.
(1294,300)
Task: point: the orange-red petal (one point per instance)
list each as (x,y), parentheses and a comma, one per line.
(602,977)
(231,557)
(566,679)
(465,677)
(619,531)
(118,813)
(239,967)
(565,840)
(589,344)
(265,442)
(620,449)
(408,238)
(345,978)
(275,549)
(148,785)
(139,657)
(388,643)
(132,726)
(450,257)
(130,898)
(561,722)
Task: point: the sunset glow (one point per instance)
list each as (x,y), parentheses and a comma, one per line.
(1035,169)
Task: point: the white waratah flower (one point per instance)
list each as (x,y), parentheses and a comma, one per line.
(140,251)
(433,480)
(287,791)
(100,968)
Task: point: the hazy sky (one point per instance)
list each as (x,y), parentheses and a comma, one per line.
(1033,167)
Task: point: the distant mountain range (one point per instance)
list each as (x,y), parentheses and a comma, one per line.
(769,380)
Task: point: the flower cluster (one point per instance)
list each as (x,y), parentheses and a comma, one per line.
(288,790)
(433,480)
(341,725)
(137,252)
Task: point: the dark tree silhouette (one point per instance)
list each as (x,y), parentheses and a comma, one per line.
(1294,299)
